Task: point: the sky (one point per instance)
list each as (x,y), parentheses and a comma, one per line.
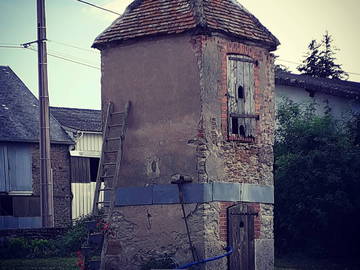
(72,27)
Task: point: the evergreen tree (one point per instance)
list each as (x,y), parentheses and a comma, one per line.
(320,60)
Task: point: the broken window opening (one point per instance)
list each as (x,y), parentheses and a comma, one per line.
(240,92)
(234,125)
(242,131)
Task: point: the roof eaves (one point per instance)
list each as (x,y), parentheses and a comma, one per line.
(317,84)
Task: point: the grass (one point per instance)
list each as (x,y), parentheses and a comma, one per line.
(39,264)
(285,263)
(305,263)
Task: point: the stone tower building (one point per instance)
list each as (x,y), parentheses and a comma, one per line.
(199,74)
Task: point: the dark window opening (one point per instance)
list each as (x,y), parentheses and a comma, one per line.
(6,206)
(153,166)
(242,131)
(94,164)
(240,92)
(234,125)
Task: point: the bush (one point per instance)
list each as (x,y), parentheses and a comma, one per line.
(72,240)
(65,245)
(317,168)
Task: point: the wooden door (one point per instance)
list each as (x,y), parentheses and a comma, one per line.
(241,237)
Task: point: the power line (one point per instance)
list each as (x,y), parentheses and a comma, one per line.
(75,58)
(67,59)
(296,63)
(105,9)
(73,46)
(53,55)
(11,46)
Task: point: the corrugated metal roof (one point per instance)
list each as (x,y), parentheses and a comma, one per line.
(165,17)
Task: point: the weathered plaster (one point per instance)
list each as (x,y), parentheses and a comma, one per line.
(178,124)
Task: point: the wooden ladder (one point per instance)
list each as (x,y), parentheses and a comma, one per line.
(110,160)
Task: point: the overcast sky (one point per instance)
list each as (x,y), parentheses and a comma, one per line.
(294,23)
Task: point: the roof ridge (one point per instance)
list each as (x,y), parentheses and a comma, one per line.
(198,8)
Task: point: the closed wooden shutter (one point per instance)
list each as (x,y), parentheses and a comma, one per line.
(26,206)
(241,238)
(80,170)
(241,103)
(20,167)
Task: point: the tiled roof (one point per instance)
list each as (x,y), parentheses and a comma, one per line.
(19,112)
(78,119)
(328,86)
(163,17)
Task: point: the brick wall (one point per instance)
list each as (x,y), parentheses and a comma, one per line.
(233,160)
(60,163)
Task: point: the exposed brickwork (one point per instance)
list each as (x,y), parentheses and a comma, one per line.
(213,155)
(60,163)
(246,161)
(223,227)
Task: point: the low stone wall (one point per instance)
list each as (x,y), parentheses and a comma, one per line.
(42,233)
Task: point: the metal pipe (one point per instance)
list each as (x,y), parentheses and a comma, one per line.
(229,251)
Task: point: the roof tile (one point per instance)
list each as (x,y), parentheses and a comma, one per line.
(151,17)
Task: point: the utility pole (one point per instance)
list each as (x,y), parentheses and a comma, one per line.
(46,183)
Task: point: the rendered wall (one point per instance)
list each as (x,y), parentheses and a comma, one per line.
(178,122)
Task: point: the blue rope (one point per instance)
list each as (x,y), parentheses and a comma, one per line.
(228,249)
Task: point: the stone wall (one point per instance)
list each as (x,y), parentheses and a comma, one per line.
(143,232)
(60,163)
(42,233)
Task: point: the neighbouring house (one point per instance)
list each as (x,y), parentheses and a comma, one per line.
(19,158)
(84,127)
(199,75)
(341,97)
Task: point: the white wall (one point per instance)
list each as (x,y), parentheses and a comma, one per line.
(339,105)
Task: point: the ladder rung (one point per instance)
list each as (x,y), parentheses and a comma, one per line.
(113,139)
(116,125)
(110,164)
(107,176)
(112,151)
(105,189)
(117,113)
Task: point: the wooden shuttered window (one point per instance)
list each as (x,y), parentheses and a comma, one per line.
(15,167)
(80,170)
(84,169)
(240,93)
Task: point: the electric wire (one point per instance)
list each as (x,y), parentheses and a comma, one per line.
(66,55)
(95,6)
(73,46)
(11,46)
(296,63)
(67,59)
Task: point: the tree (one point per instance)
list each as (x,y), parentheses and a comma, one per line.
(281,68)
(317,168)
(320,60)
